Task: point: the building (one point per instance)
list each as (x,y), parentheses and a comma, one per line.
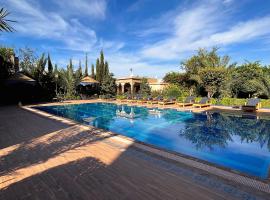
(132,84)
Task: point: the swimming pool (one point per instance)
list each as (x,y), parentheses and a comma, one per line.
(238,143)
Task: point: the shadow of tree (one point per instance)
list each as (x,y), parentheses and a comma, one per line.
(48,146)
(133,174)
(13,129)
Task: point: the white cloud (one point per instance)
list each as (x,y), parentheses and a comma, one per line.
(203,26)
(93,8)
(34,21)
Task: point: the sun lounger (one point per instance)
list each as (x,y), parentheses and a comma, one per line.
(167,101)
(252,105)
(154,100)
(189,101)
(143,100)
(204,102)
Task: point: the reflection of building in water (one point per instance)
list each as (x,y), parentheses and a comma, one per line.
(124,114)
(155,112)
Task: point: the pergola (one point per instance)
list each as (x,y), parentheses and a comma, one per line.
(128,85)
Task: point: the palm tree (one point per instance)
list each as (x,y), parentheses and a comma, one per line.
(4,23)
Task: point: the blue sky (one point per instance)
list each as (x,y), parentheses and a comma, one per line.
(150,36)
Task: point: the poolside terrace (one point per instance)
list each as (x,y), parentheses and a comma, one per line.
(48,157)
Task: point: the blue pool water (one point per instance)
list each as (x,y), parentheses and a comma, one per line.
(238,143)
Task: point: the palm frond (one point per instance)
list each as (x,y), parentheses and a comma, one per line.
(4,23)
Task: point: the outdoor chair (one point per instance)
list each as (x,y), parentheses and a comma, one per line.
(204,102)
(189,101)
(251,105)
(167,101)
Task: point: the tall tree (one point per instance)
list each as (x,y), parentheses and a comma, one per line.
(102,66)
(106,69)
(93,71)
(50,65)
(250,79)
(70,66)
(86,65)
(4,22)
(213,79)
(6,67)
(28,60)
(108,86)
(98,71)
(55,71)
(40,67)
(144,87)
(204,59)
(78,74)
(80,69)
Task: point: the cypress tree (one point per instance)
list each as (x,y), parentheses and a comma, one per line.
(106,69)
(102,66)
(93,71)
(80,69)
(70,65)
(55,71)
(86,65)
(50,66)
(98,71)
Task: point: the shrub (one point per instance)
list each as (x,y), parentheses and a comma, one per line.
(173,91)
(156,93)
(120,97)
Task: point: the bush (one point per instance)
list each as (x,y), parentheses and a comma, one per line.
(156,93)
(174,91)
(265,103)
(120,97)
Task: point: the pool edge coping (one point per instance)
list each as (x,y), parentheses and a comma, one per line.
(231,176)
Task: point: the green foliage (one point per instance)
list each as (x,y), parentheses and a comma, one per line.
(50,65)
(98,75)
(177,78)
(6,66)
(86,66)
(6,53)
(204,59)
(108,86)
(106,69)
(250,79)
(102,68)
(207,73)
(38,71)
(67,82)
(213,79)
(226,101)
(78,74)
(120,97)
(157,93)
(145,89)
(28,60)
(93,71)
(4,22)
(173,91)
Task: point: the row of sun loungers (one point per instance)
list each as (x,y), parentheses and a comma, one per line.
(251,105)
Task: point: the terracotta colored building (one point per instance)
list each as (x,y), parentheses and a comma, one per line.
(132,84)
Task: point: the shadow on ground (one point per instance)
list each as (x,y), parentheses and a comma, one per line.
(74,163)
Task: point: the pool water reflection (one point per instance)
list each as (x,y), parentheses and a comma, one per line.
(237,143)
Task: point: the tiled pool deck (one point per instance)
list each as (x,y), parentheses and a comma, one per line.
(47,157)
